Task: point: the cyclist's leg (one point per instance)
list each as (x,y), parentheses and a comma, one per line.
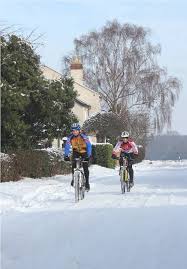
(75,155)
(131,172)
(86,173)
(120,163)
(121,160)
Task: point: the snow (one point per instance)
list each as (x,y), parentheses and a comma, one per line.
(42,226)
(58,152)
(4,156)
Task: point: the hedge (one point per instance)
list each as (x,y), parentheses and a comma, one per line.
(101,155)
(141,154)
(9,171)
(33,164)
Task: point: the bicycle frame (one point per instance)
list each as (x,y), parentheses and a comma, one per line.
(124,176)
(79,180)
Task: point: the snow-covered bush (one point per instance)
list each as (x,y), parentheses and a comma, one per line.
(141,154)
(34,164)
(101,154)
(9,171)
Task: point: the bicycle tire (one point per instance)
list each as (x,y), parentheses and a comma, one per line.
(122,181)
(76,184)
(127,183)
(128,186)
(82,187)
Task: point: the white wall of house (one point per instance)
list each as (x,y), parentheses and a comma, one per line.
(81,112)
(85,94)
(89,98)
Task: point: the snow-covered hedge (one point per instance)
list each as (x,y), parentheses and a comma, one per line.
(9,171)
(141,154)
(34,164)
(101,154)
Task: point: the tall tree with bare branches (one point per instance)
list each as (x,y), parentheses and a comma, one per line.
(121,63)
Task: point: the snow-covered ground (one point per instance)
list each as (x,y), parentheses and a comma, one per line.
(42,227)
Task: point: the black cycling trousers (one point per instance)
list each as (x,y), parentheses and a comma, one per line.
(84,164)
(129,168)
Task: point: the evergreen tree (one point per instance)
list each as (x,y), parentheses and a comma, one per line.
(33,108)
(49,112)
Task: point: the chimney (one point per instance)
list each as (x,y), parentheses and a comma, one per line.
(76,70)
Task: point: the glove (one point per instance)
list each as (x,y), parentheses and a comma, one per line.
(114,156)
(86,158)
(66,158)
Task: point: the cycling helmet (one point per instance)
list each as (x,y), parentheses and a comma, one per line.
(125,134)
(75,126)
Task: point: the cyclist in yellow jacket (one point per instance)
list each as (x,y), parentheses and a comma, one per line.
(81,148)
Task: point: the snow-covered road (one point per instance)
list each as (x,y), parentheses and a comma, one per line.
(42,227)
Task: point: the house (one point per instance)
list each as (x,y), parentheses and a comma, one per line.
(87,102)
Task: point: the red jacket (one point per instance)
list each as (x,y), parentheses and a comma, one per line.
(129,147)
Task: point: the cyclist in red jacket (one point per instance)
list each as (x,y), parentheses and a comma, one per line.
(126,146)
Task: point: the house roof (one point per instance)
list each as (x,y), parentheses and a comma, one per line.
(77,100)
(59,74)
(86,88)
(82,103)
(43,65)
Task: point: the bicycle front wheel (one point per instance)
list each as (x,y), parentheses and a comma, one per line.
(126,178)
(128,186)
(77,185)
(82,186)
(122,182)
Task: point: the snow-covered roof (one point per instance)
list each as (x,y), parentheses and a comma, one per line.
(60,75)
(85,87)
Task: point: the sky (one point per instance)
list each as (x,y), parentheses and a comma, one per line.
(60,21)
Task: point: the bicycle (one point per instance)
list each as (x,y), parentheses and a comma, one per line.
(124,175)
(79,180)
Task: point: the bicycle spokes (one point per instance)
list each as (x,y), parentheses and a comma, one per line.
(79,181)
(124,176)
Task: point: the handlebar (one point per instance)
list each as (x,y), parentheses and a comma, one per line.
(81,160)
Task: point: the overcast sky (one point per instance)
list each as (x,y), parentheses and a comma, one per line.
(62,20)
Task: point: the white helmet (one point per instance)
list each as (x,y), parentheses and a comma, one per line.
(124,134)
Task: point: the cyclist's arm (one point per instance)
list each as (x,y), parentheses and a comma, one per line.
(134,148)
(89,148)
(117,149)
(67,147)
(88,145)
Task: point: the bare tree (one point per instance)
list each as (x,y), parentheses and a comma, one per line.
(120,62)
(110,125)
(32,38)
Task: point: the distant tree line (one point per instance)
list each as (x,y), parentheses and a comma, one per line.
(167,147)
